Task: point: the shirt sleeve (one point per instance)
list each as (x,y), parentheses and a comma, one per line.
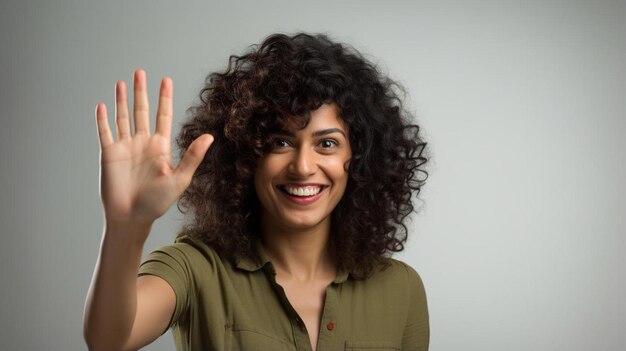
(417,329)
(170,264)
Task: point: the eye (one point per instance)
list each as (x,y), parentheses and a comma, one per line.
(279,143)
(328,143)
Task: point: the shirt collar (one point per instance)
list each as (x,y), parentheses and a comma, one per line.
(253,264)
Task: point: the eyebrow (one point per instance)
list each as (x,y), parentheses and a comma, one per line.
(315,134)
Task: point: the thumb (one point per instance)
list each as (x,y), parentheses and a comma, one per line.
(192,158)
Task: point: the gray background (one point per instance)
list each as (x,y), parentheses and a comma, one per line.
(520,239)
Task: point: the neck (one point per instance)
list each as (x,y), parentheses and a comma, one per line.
(300,254)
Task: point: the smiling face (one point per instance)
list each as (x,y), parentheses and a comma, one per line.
(302,178)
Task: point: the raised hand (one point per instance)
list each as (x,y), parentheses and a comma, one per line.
(138,182)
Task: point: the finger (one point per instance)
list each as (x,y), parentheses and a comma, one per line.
(104,132)
(122,121)
(164,111)
(141,109)
(192,159)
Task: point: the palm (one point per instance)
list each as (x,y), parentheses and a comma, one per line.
(138,181)
(149,187)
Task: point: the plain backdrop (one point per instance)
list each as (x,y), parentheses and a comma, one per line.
(520,234)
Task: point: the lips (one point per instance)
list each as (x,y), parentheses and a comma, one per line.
(302,194)
(307,190)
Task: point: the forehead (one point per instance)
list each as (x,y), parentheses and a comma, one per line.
(325,117)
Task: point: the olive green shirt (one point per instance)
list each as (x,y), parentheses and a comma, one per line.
(224,305)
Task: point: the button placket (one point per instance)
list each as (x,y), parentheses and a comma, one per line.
(299,322)
(300,334)
(329,321)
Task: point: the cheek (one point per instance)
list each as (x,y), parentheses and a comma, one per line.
(268,169)
(261,178)
(337,169)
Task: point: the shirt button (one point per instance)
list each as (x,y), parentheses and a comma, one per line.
(330,326)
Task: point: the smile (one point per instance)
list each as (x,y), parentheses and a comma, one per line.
(301,191)
(302,194)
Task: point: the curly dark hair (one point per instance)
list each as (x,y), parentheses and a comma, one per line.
(278,83)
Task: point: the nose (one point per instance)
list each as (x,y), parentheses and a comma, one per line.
(304,163)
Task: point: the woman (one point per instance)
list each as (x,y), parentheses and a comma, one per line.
(296,207)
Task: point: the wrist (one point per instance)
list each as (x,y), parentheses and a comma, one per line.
(130,232)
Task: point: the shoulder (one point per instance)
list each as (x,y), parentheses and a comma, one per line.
(185,255)
(408,286)
(192,247)
(393,269)
(398,278)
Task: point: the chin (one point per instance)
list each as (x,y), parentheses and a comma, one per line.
(302,222)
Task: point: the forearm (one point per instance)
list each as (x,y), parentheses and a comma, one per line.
(112,299)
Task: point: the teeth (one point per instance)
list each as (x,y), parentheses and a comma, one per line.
(303,191)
